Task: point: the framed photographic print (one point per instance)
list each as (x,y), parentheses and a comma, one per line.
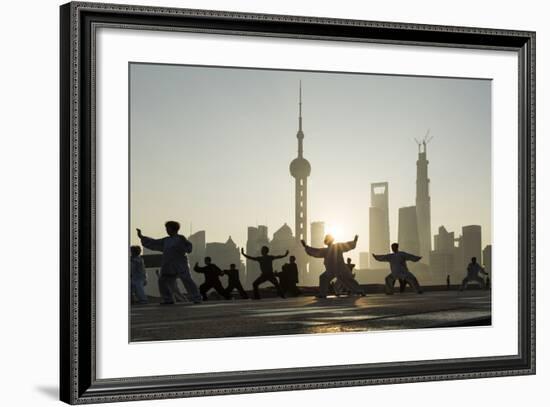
(256,203)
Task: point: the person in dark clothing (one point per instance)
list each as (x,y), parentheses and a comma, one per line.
(288,278)
(402,285)
(337,286)
(266,267)
(448,282)
(212,275)
(234,282)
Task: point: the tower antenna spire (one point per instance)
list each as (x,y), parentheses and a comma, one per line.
(300,109)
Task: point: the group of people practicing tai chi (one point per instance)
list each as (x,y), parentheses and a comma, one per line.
(175,265)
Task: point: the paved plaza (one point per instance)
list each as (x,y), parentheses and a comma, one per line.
(307,314)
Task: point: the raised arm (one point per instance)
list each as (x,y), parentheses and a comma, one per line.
(411,257)
(150,243)
(347,246)
(219,271)
(382,257)
(313,251)
(249,257)
(198,268)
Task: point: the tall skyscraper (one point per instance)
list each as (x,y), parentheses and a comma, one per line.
(442,258)
(284,240)
(379,221)
(423,212)
(300,169)
(408,230)
(487,259)
(198,240)
(316,266)
(364,260)
(471,244)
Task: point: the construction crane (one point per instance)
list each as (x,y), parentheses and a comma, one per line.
(427,138)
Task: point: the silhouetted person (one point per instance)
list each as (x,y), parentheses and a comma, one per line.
(337,286)
(448,282)
(174,263)
(138,277)
(473,274)
(212,275)
(288,277)
(234,282)
(335,267)
(266,267)
(487,283)
(398,266)
(402,285)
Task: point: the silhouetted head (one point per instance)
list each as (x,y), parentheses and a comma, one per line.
(474,260)
(292,259)
(232,266)
(265,250)
(172,227)
(135,251)
(395,247)
(349,260)
(329,240)
(207,260)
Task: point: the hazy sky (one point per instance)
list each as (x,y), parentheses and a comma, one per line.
(212,146)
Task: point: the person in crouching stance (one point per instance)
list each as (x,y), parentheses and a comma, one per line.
(212,275)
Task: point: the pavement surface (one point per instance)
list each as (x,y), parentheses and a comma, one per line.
(302,315)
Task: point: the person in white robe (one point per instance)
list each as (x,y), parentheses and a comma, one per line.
(398,267)
(174,264)
(335,266)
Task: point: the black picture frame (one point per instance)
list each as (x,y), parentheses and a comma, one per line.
(78,382)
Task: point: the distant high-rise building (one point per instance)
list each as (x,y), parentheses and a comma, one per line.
(407,236)
(316,266)
(379,221)
(364,260)
(282,241)
(198,240)
(442,258)
(300,169)
(444,241)
(471,244)
(224,254)
(423,211)
(487,258)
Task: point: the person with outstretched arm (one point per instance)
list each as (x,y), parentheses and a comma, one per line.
(266,268)
(473,270)
(174,263)
(399,270)
(335,266)
(212,275)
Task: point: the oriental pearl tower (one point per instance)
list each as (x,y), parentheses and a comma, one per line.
(300,169)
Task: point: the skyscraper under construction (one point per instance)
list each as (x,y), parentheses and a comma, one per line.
(423,211)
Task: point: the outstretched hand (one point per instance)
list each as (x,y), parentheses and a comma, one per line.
(242,251)
(356,238)
(287,252)
(303,242)
(140,235)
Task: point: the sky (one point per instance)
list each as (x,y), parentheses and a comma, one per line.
(210,147)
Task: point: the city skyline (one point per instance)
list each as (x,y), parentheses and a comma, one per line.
(349,215)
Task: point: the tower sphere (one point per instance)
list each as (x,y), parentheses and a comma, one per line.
(300,168)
